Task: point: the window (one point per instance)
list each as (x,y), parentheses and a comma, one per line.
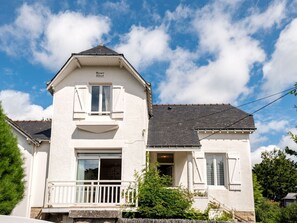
(99,167)
(100,103)
(166,163)
(215,166)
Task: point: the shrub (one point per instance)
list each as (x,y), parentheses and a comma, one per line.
(289,214)
(156,200)
(268,212)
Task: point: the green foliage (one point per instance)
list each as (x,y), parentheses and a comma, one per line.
(156,200)
(276,174)
(11,170)
(258,197)
(268,212)
(289,214)
(194,214)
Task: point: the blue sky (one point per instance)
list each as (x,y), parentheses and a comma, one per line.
(220,51)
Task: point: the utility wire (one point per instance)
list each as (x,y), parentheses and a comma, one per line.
(289,90)
(257,110)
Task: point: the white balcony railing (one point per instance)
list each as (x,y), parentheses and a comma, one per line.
(91,192)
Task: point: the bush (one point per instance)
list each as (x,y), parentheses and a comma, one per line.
(289,214)
(268,212)
(156,200)
(194,214)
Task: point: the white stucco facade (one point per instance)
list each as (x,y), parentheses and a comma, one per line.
(129,138)
(79,136)
(35,158)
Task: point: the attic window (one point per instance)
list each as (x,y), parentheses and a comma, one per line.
(100,102)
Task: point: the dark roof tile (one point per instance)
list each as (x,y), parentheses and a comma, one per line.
(38,130)
(175,125)
(99,50)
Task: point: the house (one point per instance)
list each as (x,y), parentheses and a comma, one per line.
(105,128)
(290,198)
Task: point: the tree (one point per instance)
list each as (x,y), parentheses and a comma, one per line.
(11,169)
(277,174)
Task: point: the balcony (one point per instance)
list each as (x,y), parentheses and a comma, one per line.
(90,193)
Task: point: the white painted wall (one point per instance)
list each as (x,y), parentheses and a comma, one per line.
(35,166)
(23,208)
(40,171)
(232,143)
(66,139)
(219,143)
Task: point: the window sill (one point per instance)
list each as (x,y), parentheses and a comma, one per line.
(97,126)
(214,187)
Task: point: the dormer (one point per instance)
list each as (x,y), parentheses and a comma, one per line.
(98,106)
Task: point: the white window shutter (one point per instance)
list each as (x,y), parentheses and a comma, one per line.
(199,170)
(234,171)
(80,101)
(118,101)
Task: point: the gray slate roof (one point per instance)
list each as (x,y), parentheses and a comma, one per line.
(38,130)
(176,125)
(99,50)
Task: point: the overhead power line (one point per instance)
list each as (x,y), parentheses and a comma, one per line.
(239,120)
(289,90)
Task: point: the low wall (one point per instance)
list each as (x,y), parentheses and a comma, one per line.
(144,220)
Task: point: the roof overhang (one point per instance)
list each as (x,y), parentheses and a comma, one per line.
(173,148)
(218,131)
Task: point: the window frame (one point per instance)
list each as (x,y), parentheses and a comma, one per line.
(100,99)
(214,158)
(97,156)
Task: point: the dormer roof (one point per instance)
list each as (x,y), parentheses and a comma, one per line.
(99,56)
(99,50)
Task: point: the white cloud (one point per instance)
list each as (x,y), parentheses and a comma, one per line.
(271,126)
(283,143)
(68,33)
(143,46)
(232,54)
(281,71)
(273,15)
(117,7)
(256,155)
(181,12)
(18,106)
(266,128)
(21,36)
(51,38)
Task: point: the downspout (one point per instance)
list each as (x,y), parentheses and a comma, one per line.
(31,180)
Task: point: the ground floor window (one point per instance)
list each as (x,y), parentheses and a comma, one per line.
(166,165)
(215,166)
(99,167)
